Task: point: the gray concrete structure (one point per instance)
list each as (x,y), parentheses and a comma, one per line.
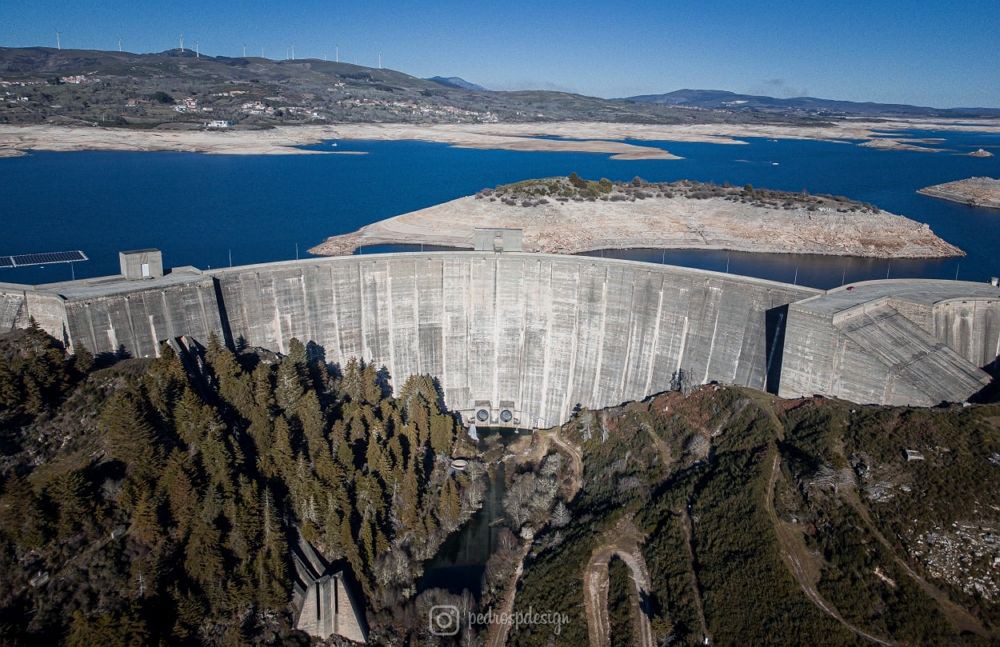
(497,239)
(322,598)
(141,264)
(526,337)
(919,342)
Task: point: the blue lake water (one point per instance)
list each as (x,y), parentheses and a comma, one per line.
(199,209)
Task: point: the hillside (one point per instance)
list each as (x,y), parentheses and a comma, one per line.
(147,501)
(158,501)
(746,519)
(180,89)
(804,106)
(456,82)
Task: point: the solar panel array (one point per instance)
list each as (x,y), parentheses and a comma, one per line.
(45,258)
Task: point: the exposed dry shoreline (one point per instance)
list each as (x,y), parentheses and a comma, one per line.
(579,136)
(663,223)
(973,191)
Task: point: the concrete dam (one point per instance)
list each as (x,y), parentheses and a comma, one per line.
(520,339)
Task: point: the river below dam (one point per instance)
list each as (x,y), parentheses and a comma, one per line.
(461,561)
(217,210)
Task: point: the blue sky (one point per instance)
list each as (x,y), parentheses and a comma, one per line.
(933,53)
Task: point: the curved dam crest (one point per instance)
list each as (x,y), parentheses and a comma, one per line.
(538,334)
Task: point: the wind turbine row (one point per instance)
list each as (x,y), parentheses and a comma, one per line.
(289,51)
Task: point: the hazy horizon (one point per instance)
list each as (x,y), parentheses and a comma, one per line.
(892,52)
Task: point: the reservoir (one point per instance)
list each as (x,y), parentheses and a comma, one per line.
(210,210)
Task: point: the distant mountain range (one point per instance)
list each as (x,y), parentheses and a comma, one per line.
(180,89)
(731,101)
(456,82)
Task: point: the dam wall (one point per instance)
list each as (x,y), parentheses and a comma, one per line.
(906,341)
(521,339)
(533,334)
(112,315)
(970,326)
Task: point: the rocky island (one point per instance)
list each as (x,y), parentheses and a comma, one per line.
(570,215)
(973,191)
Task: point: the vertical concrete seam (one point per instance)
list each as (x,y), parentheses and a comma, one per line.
(568,391)
(715,330)
(600,340)
(390,333)
(656,338)
(361,310)
(626,368)
(307,311)
(335,336)
(419,366)
(522,334)
(444,327)
(496,331)
(543,403)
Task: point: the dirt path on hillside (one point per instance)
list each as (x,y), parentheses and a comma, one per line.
(960,619)
(497,636)
(576,462)
(542,441)
(623,541)
(800,562)
(695,584)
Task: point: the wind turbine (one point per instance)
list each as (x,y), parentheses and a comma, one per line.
(338,53)
(182,43)
(119,44)
(293,52)
(58,41)
(197,52)
(380,60)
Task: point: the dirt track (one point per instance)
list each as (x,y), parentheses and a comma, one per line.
(623,541)
(800,563)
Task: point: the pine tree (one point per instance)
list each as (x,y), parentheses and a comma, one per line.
(21,517)
(83,359)
(449,505)
(203,557)
(350,384)
(281,458)
(177,483)
(234,384)
(10,386)
(128,435)
(188,418)
(145,526)
(442,435)
(69,493)
(371,392)
(409,501)
(164,381)
(310,415)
